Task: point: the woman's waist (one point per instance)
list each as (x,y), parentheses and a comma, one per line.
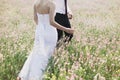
(46,27)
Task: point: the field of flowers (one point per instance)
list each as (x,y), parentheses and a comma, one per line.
(93,54)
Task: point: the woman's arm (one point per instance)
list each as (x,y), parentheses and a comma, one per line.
(55,24)
(35,15)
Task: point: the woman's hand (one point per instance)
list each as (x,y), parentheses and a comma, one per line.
(69,30)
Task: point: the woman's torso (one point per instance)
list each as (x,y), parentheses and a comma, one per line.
(44,29)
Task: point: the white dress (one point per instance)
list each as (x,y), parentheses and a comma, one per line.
(44,45)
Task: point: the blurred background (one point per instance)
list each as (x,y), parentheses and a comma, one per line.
(93,52)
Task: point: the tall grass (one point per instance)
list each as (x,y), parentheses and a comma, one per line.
(93,54)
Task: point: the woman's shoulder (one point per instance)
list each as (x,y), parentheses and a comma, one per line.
(51,3)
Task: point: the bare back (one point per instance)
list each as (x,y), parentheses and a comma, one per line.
(42,6)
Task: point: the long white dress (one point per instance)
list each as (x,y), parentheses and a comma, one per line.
(44,45)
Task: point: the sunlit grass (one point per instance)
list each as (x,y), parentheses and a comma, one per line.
(93,52)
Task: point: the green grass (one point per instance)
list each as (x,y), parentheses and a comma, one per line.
(94,50)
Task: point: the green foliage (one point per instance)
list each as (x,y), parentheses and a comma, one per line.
(95,48)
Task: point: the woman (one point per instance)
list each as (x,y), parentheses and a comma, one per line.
(45,41)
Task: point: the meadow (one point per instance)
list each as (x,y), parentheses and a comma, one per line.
(93,53)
